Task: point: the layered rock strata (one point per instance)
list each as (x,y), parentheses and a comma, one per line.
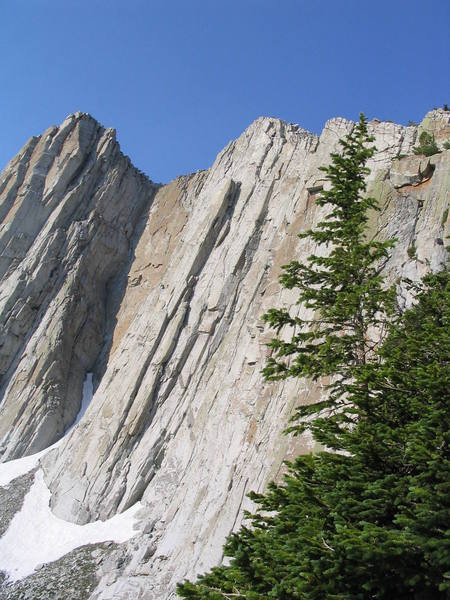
(69,205)
(160,293)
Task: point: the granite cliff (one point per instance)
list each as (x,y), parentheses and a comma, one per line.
(157,290)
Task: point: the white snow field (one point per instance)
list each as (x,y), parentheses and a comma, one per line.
(15,468)
(35,535)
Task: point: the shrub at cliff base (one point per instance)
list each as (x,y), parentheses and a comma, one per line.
(368,517)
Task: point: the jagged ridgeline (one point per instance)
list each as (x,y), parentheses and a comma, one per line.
(158,291)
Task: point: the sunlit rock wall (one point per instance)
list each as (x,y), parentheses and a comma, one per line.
(160,293)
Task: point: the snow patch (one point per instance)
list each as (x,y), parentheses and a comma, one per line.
(88,392)
(15,468)
(36,535)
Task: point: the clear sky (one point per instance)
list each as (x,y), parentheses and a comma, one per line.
(179,78)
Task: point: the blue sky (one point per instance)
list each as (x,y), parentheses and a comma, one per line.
(179,78)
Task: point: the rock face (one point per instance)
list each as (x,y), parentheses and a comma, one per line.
(159,291)
(69,205)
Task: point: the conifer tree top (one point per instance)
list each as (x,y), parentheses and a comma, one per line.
(344,289)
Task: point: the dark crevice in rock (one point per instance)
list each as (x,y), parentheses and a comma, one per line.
(116,287)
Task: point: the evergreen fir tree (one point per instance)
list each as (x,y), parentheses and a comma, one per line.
(368,518)
(344,289)
(372,522)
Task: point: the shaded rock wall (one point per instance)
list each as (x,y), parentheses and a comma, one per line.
(160,292)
